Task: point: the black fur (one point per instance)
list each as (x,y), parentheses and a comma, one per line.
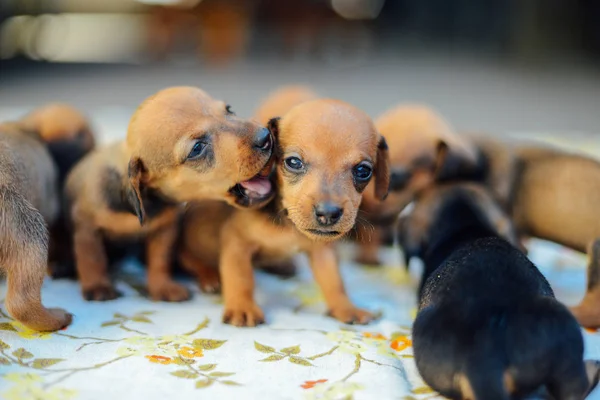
(485,309)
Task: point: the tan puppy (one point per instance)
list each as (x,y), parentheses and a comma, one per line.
(182,145)
(29,200)
(69,137)
(415,135)
(327,152)
(283,99)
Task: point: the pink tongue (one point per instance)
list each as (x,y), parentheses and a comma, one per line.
(257,184)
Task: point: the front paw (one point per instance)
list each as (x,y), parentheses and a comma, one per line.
(352,315)
(209,281)
(167,290)
(101,292)
(243,314)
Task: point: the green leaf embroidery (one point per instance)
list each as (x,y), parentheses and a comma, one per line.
(423,390)
(4,346)
(183,361)
(147,312)
(221,374)
(185,374)
(230,383)
(119,316)
(291,350)
(262,348)
(4,361)
(46,362)
(6,326)
(299,361)
(208,344)
(207,367)
(141,318)
(274,357)
(110,323)
(22,353)
(203,383)
(407,356)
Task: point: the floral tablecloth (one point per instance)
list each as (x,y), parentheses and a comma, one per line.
(138,349)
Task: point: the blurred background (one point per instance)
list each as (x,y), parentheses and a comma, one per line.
(494,65)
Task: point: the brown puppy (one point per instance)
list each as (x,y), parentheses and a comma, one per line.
(182,145)
(415,135)
(283,99)
(29,200)
(69,137)
(327,152)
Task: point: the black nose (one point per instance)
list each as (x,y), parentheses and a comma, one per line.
(263,139)
(328,213)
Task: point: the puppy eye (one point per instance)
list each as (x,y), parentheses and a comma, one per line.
(229,110)
(197,151)
(294,164)
(362,172)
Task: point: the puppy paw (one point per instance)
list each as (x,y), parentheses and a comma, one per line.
(248,314)
(52,319)
(63,318)
(101,292)
(210,281)
(352,315)
(169,291)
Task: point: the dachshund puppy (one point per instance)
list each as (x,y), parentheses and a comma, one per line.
(69,138)
(29,201)
(488,325)
(415,136)
(182,145)
(327,153)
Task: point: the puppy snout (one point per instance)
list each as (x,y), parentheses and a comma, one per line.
(328,214)
(263,140)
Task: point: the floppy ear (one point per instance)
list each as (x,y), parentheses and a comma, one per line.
(382,170)
(134,194)
(451,164)
(273,126)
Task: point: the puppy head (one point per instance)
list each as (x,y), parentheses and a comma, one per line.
(66,132)
(188,146)
(423,149)
(328,152)
(280,101)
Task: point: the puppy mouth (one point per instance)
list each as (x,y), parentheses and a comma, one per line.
(320,232)
(255,191)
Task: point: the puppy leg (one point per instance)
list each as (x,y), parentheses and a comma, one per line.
(369,241)
(324,265)
(159,253)
(92,264)
(587,312)
(23,256)
(575,383)
(208,277)
(237,279)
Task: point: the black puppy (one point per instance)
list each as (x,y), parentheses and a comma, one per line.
(488,325)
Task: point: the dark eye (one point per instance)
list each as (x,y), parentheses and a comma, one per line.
(197,151)
(294,164)
(229,110)
(362,172)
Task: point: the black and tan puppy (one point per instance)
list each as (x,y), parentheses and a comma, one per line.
(29,201)
(488,325)
(69,138)
(182,145)
(327,153)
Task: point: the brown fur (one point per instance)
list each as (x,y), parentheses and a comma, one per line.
(29,200)
(283,99)
(414,134)
(133,189)
(331,138)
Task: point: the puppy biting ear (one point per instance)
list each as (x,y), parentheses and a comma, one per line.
(382,170)
(134,194)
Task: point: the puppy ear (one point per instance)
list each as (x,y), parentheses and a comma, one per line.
(451,163)
(273,127)
(382,170)
(134,194)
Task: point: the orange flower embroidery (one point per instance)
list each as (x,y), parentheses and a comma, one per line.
(189,352)
(311,384)
(377,336)
(401,343)
(160,359)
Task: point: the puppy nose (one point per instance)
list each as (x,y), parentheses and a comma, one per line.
(327,213)
(263,139)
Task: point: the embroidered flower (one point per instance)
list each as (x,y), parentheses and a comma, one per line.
(401,343)
(311,384)
(160,359)
(189,352)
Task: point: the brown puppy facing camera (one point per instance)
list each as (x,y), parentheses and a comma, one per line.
(327,153)
(29,201)
(416,136)
(182,145)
